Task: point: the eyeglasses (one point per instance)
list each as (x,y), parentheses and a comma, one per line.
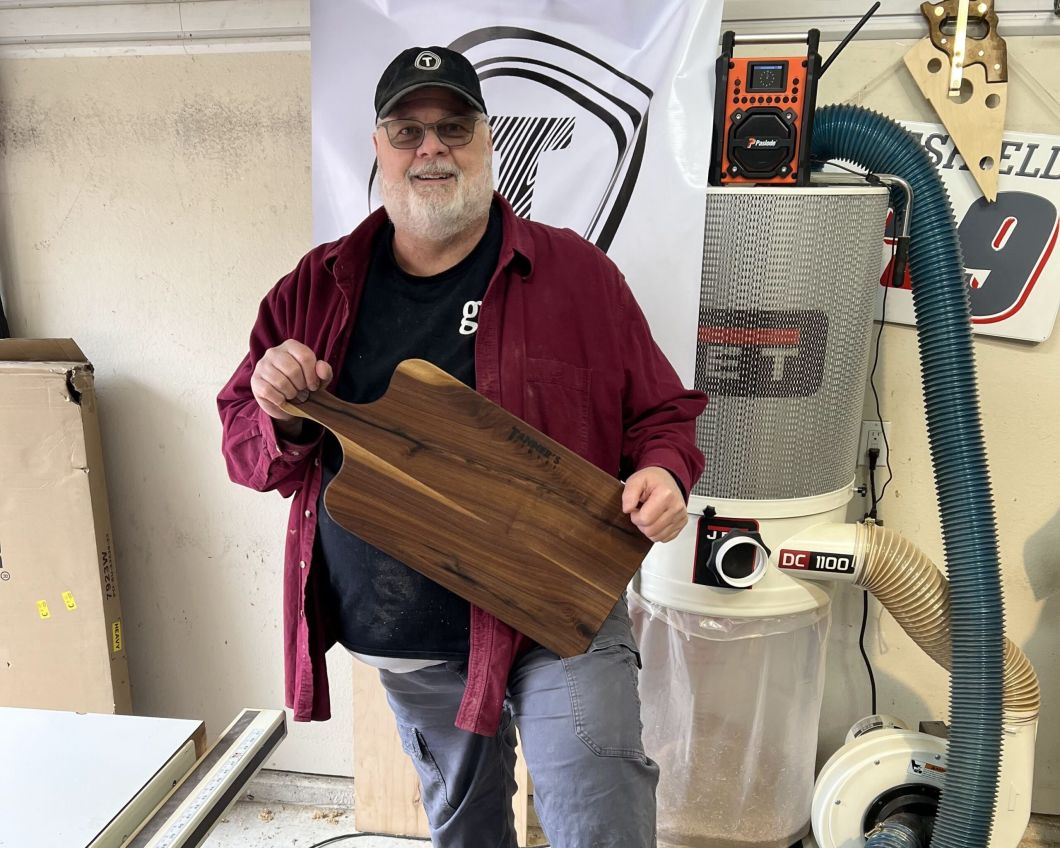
(408,133)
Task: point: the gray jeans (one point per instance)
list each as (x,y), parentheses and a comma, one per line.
(579,722)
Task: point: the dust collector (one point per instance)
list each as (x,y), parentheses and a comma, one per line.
(731,632)
(733,649)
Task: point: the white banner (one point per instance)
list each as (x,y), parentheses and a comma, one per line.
(601,112)
(1012,272)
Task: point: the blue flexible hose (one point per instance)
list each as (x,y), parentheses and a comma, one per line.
(894,835)
(940,299)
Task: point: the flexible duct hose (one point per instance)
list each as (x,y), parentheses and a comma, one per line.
(940,299)
(916,593)
(900,831)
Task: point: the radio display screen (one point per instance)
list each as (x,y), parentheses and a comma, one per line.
(767,76)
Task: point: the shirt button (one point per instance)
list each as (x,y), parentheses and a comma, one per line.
(296,453)
(301,564)
(308,513)
(316,462)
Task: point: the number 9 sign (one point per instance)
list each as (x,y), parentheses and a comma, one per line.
(1006,247)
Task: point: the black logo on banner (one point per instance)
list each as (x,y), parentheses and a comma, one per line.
(611,114)
(615,102)
(761,353)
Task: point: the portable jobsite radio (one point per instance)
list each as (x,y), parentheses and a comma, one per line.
(763,109)
(763,113)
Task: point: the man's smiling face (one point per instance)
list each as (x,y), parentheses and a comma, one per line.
(435,191)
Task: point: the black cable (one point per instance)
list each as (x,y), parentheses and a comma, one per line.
(334,839)
(876,394)
(861,645)
(873,509)
(364,834)
(874,454)
(872,179)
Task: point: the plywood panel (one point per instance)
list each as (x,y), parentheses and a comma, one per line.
(386,788)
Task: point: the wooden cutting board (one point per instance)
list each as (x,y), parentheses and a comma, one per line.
(461,490)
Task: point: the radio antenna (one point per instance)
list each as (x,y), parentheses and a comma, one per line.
(849,36)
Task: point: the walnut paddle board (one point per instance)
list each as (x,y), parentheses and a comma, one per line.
(461,490)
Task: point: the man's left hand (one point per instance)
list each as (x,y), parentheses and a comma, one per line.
(654,503)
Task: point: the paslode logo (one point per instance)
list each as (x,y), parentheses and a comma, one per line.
(753,142)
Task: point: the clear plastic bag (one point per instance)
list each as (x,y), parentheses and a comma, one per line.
(730,709)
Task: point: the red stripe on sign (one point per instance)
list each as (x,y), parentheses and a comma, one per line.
(1003,233)
(1042,260)
(764,337)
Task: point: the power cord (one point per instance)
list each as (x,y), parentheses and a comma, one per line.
(861,645)
(874,453)
(364,835)
(874,457)
(899,260)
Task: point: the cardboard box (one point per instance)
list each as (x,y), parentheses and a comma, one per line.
(62,644)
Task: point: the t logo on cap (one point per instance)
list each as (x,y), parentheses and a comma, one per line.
(420,67)
(428,61)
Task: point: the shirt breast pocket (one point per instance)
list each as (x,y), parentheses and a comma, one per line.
(557,401)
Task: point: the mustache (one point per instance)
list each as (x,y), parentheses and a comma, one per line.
(436,169)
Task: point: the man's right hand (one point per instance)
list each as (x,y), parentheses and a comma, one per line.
(289,371)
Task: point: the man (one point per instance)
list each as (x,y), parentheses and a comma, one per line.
(539,321)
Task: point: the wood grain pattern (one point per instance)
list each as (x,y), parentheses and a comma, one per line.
(468,494)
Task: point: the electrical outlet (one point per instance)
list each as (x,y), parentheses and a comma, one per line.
(872,437)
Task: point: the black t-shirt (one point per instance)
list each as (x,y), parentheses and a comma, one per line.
(379,605)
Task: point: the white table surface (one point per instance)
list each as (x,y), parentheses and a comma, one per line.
(66,775)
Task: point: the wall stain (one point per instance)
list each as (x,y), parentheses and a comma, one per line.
(198,125)
(21,125)
(221,129)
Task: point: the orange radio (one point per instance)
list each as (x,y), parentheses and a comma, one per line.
(763,113)
(763,110)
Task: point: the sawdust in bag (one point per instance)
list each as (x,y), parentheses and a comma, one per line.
(730,709)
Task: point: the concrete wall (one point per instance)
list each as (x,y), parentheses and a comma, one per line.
(146,203)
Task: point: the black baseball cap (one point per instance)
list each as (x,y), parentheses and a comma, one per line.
(418,67)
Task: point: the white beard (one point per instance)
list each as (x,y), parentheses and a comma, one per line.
(438,215)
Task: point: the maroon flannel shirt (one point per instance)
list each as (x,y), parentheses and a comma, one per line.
(561,343)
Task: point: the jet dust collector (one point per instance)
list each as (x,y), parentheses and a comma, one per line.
(733,649)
